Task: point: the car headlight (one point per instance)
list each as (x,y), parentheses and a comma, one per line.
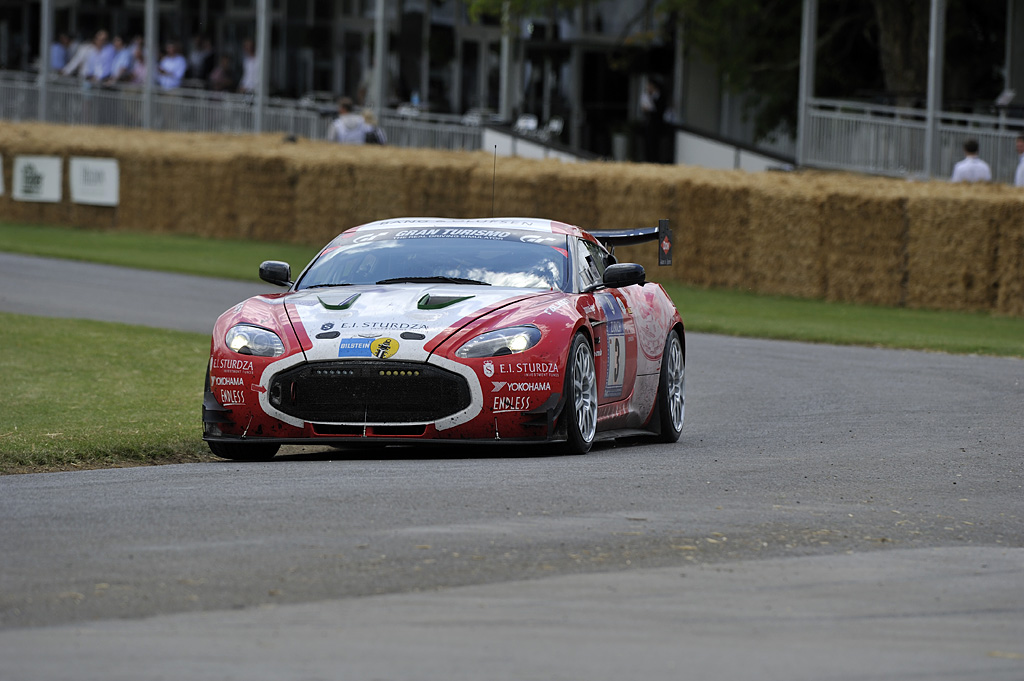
(501,342)
(254,340)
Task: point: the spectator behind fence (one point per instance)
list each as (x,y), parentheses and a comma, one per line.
(971,168)
(171,68)
(375,135)
(201,59)
(250,68)
(124,60)
(59,52)
(92,60)
(352,128)
(81,56)
(97,69)
(139,69)
(222,77)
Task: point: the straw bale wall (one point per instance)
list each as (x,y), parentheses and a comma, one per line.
(831,236)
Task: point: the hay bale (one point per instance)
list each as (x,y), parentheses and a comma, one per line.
(864,239)
(785,236)
(951,251)
(1009,267)
(834,235)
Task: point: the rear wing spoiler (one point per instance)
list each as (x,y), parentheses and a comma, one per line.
(628,237)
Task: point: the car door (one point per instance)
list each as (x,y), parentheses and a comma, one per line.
(615,341)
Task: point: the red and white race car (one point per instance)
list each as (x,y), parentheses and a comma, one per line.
(449,330)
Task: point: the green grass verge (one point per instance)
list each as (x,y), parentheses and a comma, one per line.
(230,259)
(83,394)
(736,313)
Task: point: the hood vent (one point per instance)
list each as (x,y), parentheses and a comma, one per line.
(433,301)
(343,305)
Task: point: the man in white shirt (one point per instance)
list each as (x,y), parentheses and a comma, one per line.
(971,168)
(353,128)
(1018,177)
(81,60)
(250,68)
(171,68)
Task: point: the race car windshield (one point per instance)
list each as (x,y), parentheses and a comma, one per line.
(517,259)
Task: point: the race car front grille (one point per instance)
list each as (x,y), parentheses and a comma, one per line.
(369,392)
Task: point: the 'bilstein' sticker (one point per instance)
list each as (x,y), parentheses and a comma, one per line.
(381,348)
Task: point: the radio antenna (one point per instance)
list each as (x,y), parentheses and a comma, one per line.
(494,174)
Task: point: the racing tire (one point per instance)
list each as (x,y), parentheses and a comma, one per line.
(580,397)
(244,451)
(672,389)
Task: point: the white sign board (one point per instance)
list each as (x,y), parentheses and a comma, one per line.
(37,178)
(96,181)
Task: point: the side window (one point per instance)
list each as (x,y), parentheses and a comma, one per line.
(590,268)
(600,258)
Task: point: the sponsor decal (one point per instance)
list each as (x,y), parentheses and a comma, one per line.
(230,398)
(615,367)
(507,403)
(226,380)
(233,365)
(525,369)
(488,368)
(327,327)
(532,239)
(384,326)
(450,233)
(556,306)
(520,387)
(381,348)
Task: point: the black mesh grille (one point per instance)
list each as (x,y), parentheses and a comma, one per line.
(369,392)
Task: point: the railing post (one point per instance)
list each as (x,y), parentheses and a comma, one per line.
(808,45)
(936,31)
(151,67)
(45,39)
(263,59)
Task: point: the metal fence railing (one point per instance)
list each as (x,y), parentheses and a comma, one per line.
(890,140)
(845,135)
(71,102)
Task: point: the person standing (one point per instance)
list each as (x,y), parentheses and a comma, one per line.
(971,168)
(352,128)
(59,52)
(652,108)
(171,68)
(78,61)
(124,60)
(250,68)
(99,65)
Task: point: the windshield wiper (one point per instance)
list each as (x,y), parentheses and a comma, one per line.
(432,280)
(324,286)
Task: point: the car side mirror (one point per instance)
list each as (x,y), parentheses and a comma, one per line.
(276,272)
(624,274)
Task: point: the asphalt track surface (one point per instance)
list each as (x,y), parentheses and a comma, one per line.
(829,513)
